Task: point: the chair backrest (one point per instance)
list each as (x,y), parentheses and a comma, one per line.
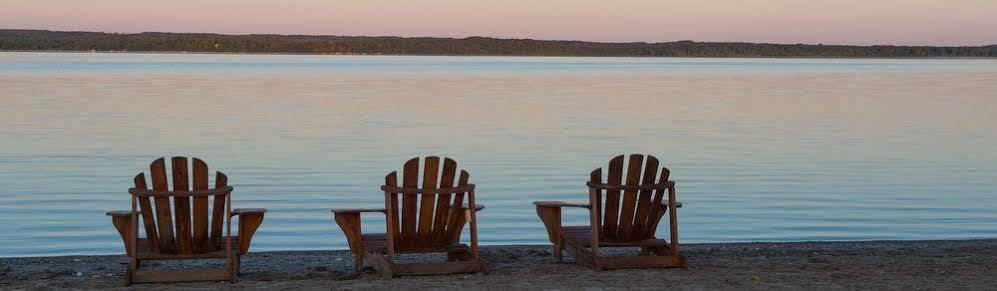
(430,216)
(192,233)
(630,209)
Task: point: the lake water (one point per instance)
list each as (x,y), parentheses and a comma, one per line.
(761,149)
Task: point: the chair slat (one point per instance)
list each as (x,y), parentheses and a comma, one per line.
(596,204)
(199,173)
(148,215)
(657,208)
(392,216)
(182,205)
(430,177)
(164,216)
(630,197)
(456,219)
(443,202)
(410,178)
(218,212)
(642,214)
(612,203)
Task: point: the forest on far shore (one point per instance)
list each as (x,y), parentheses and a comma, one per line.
(472,46)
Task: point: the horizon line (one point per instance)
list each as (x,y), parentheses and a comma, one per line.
(496,37)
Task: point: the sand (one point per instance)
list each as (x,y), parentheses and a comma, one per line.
(968,264)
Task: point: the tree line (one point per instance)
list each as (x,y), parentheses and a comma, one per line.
(472,46)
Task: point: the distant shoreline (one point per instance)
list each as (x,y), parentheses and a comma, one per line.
(157,42)
(476,56)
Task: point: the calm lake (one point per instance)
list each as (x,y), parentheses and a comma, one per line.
(760,149)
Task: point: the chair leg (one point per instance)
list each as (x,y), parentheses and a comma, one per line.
(559,253)
(483,267)
(358,261)
(381,264)
(238,264)
(234,269)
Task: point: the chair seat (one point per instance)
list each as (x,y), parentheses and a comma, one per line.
(582,235)
(378,242)
(146,253)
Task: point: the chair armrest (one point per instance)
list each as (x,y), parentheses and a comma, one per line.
(250,220)
(248,211)
(477,207)
(559,204)
(348,220)
(357,210)
(121,213)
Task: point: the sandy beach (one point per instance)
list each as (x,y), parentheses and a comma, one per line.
(968,264)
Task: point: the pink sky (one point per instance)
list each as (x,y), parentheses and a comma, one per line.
(899,22)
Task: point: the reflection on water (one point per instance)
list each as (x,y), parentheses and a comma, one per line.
(761,149)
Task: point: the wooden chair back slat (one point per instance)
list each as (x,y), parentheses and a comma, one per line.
(657,208)
(430,177)
(597,209)
(410,179)
(164,213)
(182,226)
(199,172)
(643,212)
(630,198)
(181,206)
(427,220)
(456,216)
(218,212)
(634,214)
(612,201)
(148,215)
(391,180)
(447,178)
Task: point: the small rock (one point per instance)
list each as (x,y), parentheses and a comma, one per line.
(755,278)
(78,274)
(95,276)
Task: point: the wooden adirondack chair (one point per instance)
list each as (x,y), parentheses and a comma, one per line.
(419,220)
(627,220)
(194,237)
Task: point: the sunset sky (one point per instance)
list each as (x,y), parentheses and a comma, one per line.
(898,22)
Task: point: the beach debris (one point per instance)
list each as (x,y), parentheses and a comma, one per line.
(78,274)
(755,278)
